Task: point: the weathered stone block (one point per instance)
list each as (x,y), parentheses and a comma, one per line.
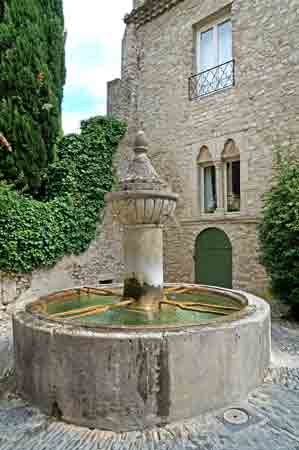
(8,288)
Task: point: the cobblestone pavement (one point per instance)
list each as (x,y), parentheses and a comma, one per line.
(269,420)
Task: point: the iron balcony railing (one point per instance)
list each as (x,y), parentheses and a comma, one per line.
(212,80)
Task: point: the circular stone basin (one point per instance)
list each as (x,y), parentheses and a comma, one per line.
(83,306)
(122,369)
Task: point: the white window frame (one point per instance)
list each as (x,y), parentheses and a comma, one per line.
(212,25)
(201,168)
(225,162)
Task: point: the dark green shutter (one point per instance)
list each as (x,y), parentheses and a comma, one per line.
(213,258)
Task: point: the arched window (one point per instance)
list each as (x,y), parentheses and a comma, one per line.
(231,159)
(207,178)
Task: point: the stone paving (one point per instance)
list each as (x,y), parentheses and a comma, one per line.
(271,418)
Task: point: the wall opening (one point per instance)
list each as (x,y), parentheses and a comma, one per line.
(213,259)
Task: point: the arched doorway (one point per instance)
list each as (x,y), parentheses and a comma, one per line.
(213,258)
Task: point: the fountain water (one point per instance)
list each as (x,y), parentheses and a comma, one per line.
(141,354)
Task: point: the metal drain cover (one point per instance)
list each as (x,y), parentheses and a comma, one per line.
(236,417)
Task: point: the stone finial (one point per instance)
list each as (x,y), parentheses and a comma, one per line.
(144,198)
(141,174)
(141,143)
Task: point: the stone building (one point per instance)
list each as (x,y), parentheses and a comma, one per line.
(214,84)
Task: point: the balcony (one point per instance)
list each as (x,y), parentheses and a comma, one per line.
(212,80)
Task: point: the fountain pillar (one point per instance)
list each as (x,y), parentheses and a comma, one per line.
(143,258)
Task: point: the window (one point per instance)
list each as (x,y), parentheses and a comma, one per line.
(106,282)
(214,59)
(210,196)
(214,46)
(231,158)
(219,187)
(233,186)
(207,178)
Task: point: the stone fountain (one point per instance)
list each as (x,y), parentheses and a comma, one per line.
(142,206)
(142,354)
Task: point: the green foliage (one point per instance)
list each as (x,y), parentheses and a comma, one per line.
(279,232)
(34,233)
(32,76)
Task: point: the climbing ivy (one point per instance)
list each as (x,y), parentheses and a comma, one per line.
(34,233)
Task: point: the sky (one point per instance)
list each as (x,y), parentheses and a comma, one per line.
(93,54)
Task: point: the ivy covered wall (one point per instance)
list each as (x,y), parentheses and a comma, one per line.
(36,234)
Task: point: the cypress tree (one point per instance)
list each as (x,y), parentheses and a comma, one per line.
(32,75)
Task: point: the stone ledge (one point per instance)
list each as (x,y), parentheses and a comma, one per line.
(220,219)
(149,11)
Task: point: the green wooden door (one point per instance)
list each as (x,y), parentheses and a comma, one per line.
(213,258)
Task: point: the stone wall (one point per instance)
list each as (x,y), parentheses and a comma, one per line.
(100,263)
(137,3)
(179,242)
(260,112)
